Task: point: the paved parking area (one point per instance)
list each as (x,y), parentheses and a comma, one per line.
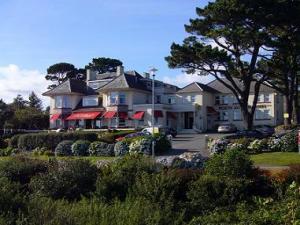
(191,143)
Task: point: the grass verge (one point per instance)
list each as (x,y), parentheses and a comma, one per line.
(276,158)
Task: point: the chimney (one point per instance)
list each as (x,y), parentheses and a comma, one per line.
(88,74)
(120,70)
(147,75)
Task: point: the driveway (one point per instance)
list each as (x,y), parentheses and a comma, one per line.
(191,143)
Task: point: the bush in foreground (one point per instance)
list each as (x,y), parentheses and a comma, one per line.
(98,148)
(66,179)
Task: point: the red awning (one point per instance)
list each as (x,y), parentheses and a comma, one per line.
(138,115)
(211,110)
(171,115)
(109,114)
(55,117)
(158,113)
(84,116)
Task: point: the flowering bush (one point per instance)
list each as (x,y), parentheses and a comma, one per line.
(237,146)
(99,148)
(141,146)
(121,148)
(218,146)
(258,145)
(286,143)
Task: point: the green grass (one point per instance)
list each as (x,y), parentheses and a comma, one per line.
(276,158)
(93,159)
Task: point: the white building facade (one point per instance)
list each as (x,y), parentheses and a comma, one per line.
(124,100)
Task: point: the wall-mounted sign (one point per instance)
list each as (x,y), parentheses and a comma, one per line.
(285,115)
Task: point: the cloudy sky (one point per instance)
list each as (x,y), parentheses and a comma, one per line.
(36,34)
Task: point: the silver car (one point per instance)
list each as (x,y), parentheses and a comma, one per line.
(227,128)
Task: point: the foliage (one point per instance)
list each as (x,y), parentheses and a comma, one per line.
(110,137)
(67,179)
(218,146)
(121,148)
(281,128)
(209,192)
(285,143)
(162,144)
(21,169)
(103,65)
(258,145)
(233,163)
(116,179)
(98,148)
(80,148)
(64,148)
(35,102)
(3,143)
(29,142)
(141,145)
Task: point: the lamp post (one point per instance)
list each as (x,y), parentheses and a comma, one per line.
(152,72)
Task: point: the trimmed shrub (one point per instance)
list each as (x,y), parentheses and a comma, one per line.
(286,143)
(64,148)
(121,148)
(218,146)
(3,143)
(49,141)
(99,148)
(67,179)
(13,142)
(111,136)
(233,163)
(80,148)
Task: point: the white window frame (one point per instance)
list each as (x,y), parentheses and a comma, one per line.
(113,98)
(58,101)
(193,98)
(262,114)
(122,98)
(90,101)
(237,115)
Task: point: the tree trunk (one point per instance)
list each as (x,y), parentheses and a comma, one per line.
(288,109)
(247,117)
(296,103)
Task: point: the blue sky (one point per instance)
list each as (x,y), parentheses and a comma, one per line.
(38,33)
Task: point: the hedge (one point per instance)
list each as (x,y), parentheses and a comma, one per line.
(110,137)
(49,141)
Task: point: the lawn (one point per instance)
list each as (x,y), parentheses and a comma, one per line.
(276,158)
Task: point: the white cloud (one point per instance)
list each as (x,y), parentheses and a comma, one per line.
(184,79)
(14,81)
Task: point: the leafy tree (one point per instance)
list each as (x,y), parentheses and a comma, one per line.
(4,113)
(60,72)
(34,101)
(283,68)
(103,65)
(238,30)
(19,102)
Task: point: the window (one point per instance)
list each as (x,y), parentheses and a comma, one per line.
(113,98)
(264,98)
(225,99)
(235,100)
(122,122)
(193,98)
(158,99)
(62,102)
(94,85)
(58,101)
(172,100)
(122,98)
(262,114)
(90,101)
(223,116)
(237,114)
(217,100)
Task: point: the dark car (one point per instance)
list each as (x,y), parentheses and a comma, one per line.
(246,134)
(266,130)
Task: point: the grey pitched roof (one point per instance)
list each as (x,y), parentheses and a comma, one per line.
(217,85)
(71,86)
(130,79)
(197,87)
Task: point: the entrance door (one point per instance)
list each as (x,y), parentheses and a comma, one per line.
(188,120)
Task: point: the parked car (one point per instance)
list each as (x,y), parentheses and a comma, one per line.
(227,128)
(246,134)
(266,130)
(162,130)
